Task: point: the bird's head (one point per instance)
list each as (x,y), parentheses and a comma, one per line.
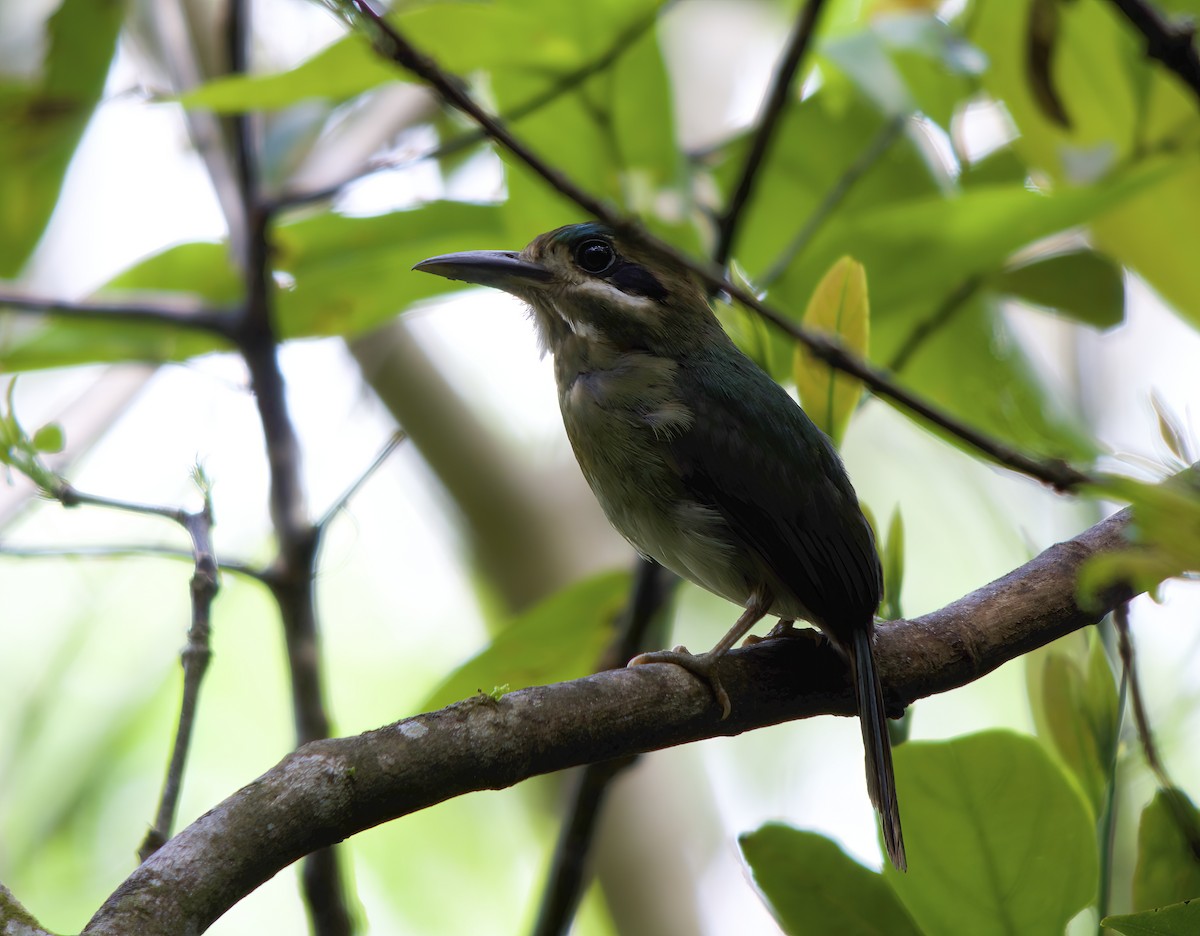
(589,288)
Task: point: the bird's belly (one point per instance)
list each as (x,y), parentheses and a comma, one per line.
(625,462)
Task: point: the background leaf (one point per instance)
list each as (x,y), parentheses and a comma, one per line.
(560,638)
(1181,919)
(41,122)
(812,886)
(839,308)
(998,840)
(1167,869)
(1084,285)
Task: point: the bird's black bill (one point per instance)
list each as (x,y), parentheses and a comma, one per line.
(501,269)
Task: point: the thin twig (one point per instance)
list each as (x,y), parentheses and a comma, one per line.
(180,314)
(567,878)
(569,82)
(196,656)
(389,43)
(1108,821)
(772,111)
(833,199)
(1170,43)
(940,317)
(144,551)
(340,503)
(1183,816)
(197,652)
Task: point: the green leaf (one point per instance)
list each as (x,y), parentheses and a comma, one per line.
(612,129)
(351,274)
(561,638)
(1153,233)
(909,62)
(893,567)
(998,840)
(1084,285)
(747,329)
(41,122)
(1167,869)
(344,275)
(798,177)
(1166,527)
(49,439)
(342,70)
(971,364)
(1090,70)
(1181,919)
(812,886)
(839,308)
(1170,429)
(1073,694)
(1122,106)
(198,269)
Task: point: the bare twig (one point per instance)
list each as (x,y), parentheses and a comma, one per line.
(1182,815)
(332,789)
(197,652)
(195,656)
(1173,44)
(801,37)
(569,82)
(389,43)
(338,505)
(131,551)
(174,312)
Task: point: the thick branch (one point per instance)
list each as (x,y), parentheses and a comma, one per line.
(331,789)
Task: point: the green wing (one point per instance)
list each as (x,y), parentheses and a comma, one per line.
(754,456)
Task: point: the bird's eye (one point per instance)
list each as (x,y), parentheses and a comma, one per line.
(595,256)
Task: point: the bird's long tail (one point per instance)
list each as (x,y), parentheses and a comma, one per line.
(881,781)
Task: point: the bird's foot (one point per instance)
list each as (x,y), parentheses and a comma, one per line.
(703,665)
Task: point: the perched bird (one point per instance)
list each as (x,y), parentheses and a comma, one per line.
(700,459)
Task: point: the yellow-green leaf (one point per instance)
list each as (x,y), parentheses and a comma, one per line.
(839,308)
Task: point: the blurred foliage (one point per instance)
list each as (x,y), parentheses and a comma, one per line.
(43,117)
(561,638)
(1073,695)
(998,839)
(1094,173)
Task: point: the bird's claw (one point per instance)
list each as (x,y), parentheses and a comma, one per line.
(703,665)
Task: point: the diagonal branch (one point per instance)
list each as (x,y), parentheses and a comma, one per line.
(798,43)
(1173,45)
(330,789)
(389,43)
(180,314)
(569,82)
